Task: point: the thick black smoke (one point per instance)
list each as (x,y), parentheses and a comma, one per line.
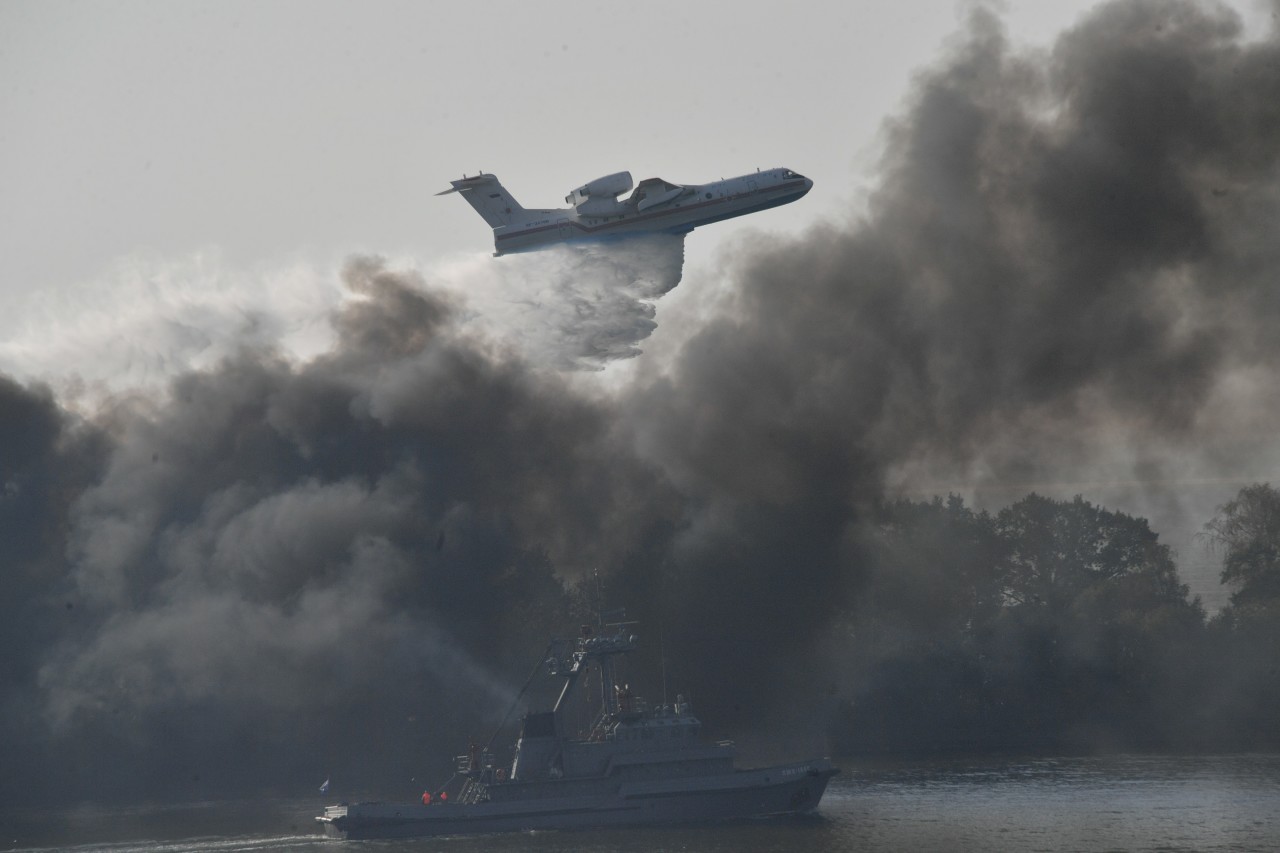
(281,572)
(1061,249)
(1067,273)
(46,460)
(310,569)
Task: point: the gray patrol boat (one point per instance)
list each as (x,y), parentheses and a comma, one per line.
(633,765)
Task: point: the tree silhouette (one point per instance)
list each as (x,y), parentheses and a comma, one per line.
(1247,529)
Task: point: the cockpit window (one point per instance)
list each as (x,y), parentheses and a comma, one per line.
(791,174)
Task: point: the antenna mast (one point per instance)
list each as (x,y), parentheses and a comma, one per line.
(599,599)
(662,652)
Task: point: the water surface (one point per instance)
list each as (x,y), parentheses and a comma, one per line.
(1156,803)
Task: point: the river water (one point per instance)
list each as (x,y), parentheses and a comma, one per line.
(1089,804)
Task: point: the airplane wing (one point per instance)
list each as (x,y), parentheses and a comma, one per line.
(657,192)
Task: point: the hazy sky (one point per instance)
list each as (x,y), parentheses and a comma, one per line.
(269,131)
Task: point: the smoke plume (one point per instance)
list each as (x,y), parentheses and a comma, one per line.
(284,568)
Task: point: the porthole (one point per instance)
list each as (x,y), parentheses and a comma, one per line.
(708,195)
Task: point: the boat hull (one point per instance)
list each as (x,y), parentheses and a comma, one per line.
(763,792)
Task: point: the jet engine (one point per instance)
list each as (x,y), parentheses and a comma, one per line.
(605,189)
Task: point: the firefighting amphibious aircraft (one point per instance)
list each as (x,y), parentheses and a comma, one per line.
(656,207)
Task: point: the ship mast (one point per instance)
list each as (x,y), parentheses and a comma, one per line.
(601,648)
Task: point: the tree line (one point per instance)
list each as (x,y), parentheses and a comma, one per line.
(1058,625)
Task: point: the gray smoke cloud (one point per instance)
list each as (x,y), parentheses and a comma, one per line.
(328,566)
(1066,275)
(320,552)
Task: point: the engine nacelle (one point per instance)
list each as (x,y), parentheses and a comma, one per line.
(610,186)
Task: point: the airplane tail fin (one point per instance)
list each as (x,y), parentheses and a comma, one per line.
(490,199)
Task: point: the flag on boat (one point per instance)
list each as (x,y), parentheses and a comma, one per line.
(324,789)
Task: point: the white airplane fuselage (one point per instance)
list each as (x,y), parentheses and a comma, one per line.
(655,207)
